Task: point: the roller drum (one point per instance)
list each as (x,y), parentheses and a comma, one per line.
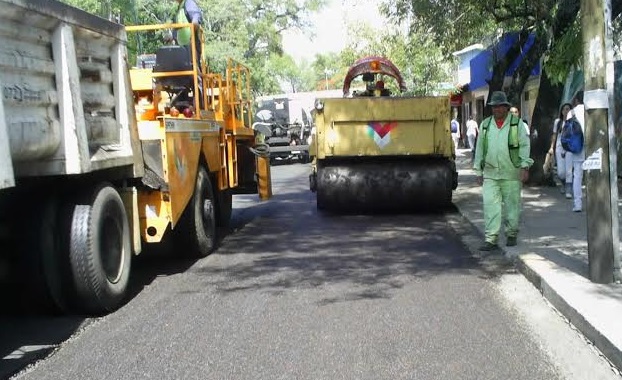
(386,186)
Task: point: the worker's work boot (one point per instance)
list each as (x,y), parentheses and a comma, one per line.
(488,246)
(511,241)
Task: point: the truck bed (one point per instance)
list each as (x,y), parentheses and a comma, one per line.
(67,102)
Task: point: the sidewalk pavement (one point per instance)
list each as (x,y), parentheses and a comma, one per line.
(552,254)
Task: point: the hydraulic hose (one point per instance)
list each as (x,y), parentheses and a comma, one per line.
(261,149)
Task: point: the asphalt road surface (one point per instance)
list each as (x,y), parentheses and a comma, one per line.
(296,294)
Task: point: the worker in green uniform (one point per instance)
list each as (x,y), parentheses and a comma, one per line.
(188,12)
(501,164)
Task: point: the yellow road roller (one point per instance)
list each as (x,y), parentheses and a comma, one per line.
(378,152)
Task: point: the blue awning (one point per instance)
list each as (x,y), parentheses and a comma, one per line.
(481,64)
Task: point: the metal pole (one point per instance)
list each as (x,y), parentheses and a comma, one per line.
(326,78)
(613,154)
(602,215)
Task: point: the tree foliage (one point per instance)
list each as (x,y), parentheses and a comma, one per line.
(450,24)
(455,24)
(293,77)
(555,23)
(419,59)
(249,31)
(329,70)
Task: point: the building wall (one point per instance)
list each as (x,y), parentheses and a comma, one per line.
(463,74)
(474,102)
(528,98)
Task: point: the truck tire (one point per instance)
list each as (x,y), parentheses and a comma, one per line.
(53,251)
(196,230)
(45,257)
(100,252)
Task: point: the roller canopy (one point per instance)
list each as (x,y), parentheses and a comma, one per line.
(375,65)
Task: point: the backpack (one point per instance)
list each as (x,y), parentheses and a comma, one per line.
(513,141)
(572,135)
(454,126)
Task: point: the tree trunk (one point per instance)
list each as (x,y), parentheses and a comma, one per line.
(545,112)
(495,83)
(500,66)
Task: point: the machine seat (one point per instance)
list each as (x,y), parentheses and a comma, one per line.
(173,58)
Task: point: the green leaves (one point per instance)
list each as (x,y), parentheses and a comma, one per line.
(451,24)
(455,24)
(249,31)
(565,54)
(421,61)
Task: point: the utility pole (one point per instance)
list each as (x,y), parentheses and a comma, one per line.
(326,78)
(600,165)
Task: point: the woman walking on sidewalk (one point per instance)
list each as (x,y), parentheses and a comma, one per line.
(471,132)
(578,111)
(563,161)
(501,163)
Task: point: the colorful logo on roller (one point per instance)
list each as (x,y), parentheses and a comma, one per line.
(381,132)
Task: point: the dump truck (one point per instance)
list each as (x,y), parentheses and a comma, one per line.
(98,160)
(286,126)
(375,152)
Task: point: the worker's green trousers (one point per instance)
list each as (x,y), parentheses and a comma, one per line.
(501,195)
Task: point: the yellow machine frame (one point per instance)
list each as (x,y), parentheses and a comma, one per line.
(405,126)
(209,137)
(379,153)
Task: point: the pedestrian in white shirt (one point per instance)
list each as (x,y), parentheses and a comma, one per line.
(578,111)
(472,132)
(516,112)
(455,131)
(564,166)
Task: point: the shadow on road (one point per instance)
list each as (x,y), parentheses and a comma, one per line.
(288,245)
(275,247)
(27,338)
(28,333)
(543,209)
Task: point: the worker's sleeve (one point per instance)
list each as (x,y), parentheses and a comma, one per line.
(194,12)
(524,150)
(479,154)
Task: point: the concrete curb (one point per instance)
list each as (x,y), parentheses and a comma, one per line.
(560,273)
(493,263)
(536,269)
(570,293)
